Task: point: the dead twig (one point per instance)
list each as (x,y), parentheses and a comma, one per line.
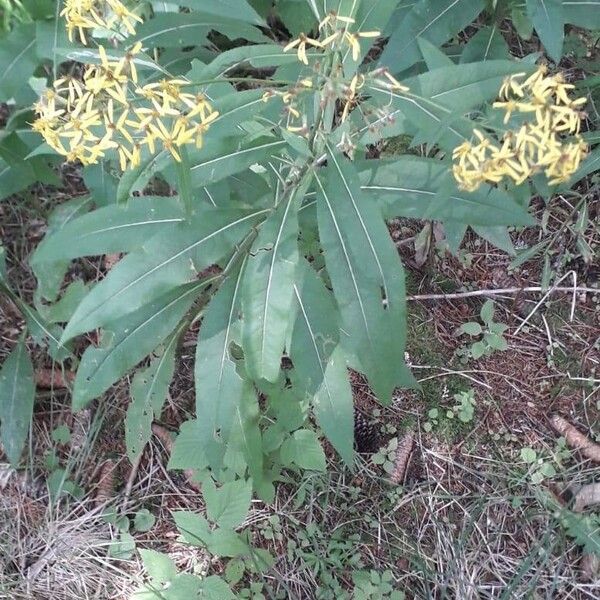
(575,438)
(500,292)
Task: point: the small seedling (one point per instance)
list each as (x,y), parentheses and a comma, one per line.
(371,585)
(539,468)
(465,407)
(489,334)
(385,456)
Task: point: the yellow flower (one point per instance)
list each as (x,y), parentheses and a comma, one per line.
(90,14)
(301,43)
(534,146)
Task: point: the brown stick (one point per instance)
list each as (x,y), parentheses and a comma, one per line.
(164,436)
(576,439)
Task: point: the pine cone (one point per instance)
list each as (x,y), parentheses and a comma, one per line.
(366,434)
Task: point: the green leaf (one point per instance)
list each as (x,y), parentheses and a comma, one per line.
(498,236)
(521,22)
(187,452)
(367,277)
(495,341)
(434,20)
(159,566)
(194,528)
(239,10)
(219,388)
(410,186)
(471,328)
(548,19)
(149,390)
(225,160)
(487,44)
(323,376)
(168,30)
(296,15)
(528,455)
(487,312)
(267,290)
(228,505)
(214,588)
(123,548)
(144,520)
(247,438)
(131,338)
(17,60)
(304,450)
(110,229)
(17,393)
(168,259)
(583,13)
(478,350)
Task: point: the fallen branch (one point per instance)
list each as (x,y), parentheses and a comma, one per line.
(576,439)
(403,452)
(164,436)
(499,292)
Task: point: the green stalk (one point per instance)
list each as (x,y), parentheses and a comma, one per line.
(184,179)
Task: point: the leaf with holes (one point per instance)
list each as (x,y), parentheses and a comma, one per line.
(367,277)
(319,366)
(267,290)
(149,390)
(219,387)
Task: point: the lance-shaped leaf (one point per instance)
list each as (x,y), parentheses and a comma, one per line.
(548,19)
(423,188)
(367,277)
(113,228)
(170,258)
(239,10)
(434,20)
(149,390)
(323,376)
(267,290)
(17,393)
(436,101)
(218,385)
(169,30)
(17,60)
(129,340)
(583,13)
(229,158)
(247,439)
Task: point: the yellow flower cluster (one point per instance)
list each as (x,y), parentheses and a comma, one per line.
(83,118)
(536,146)
(91,14)
(335,29)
